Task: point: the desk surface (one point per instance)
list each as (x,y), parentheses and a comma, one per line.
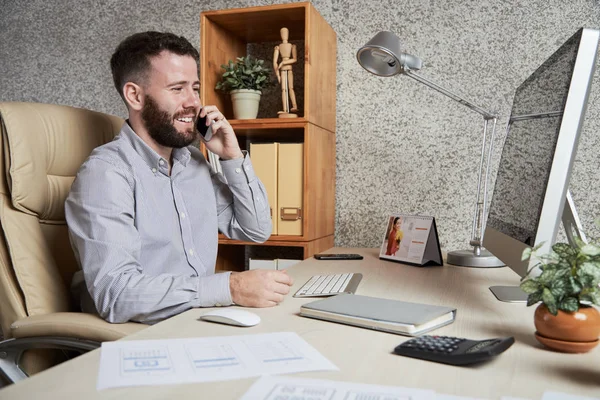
(525,370)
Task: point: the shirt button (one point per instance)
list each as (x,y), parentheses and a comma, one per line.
(161,162)
(182,215)
(237,170)
(218,304)
(154,170)
(191,251)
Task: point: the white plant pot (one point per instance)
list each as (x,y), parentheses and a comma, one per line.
(245,103)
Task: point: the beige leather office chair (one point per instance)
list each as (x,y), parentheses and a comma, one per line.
(42,147)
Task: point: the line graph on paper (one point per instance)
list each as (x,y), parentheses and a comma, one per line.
(276,352)
(144,361)
(213,357)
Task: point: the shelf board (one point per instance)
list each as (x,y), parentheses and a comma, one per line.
(268,123)
(274,240)
(262,24)
(270,128)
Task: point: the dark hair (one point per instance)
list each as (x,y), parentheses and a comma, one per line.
(131,60)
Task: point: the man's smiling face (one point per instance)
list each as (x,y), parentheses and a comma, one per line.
(172,100)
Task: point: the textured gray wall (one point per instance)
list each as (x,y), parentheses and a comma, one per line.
(401,147)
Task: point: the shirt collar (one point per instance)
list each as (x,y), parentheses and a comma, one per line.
(150,156)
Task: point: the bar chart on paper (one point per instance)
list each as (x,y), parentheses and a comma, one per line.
(145,361)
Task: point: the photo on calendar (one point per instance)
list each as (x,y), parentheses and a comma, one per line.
(405,238)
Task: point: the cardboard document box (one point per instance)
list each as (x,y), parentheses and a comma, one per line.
(264,161)
(289,188)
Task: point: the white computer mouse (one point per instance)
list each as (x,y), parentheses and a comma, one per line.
(231,316)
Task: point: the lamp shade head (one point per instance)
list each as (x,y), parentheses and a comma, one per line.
(383,56)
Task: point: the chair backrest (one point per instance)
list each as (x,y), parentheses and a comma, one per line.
(42,147)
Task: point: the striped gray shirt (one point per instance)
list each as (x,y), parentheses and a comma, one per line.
(146,241)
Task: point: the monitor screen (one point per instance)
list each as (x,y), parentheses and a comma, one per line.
(529,147)
(539,150)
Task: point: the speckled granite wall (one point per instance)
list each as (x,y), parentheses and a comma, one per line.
(401,147)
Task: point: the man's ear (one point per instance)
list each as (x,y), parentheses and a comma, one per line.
(134,95)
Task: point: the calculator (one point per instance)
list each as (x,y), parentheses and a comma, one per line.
(453,350)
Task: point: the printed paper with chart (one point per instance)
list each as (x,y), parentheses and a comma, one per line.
(159,362)
(276,388)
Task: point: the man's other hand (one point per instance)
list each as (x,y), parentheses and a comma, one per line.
(259,287)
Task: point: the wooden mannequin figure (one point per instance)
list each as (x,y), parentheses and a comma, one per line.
(284,73)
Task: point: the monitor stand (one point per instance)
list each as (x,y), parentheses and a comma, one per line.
(573,231)
(509,294)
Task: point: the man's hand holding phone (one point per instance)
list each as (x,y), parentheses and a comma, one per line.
(204,129)
(217,133)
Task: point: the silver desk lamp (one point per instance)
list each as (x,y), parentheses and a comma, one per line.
(383,56)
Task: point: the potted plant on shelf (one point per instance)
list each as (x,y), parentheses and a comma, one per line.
(567,288)
(244,80)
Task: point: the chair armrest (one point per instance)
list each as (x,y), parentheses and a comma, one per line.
(73,324)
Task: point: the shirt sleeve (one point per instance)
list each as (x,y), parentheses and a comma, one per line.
(242,203)
(100,212)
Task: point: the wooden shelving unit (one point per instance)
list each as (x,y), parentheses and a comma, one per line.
(227,34)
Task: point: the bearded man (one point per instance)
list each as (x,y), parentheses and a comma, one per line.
(145,210)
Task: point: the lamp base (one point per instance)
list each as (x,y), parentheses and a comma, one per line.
(467,258)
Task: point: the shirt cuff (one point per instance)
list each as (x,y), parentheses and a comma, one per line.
(213,290)
(238,170)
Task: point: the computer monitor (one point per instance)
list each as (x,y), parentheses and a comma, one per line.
(543,132)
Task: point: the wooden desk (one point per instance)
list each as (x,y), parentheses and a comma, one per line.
(524,370)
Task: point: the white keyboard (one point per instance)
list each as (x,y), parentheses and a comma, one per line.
(329,285)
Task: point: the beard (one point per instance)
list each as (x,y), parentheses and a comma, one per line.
(159,124)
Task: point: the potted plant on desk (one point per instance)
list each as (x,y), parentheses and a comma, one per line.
(567,288)
(244,80)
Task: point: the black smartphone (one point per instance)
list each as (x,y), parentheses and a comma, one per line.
(338,257)
(205,131)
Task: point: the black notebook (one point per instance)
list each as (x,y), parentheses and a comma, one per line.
(400,317)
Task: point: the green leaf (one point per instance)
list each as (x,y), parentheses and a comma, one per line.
(564,250)
(589,273)
(558,292)
(590,250)
(547,276)
(534,298)
(563,265)
(570,304)
(537,247)
(574,286)
(549,300)
(526,254)
(530,286)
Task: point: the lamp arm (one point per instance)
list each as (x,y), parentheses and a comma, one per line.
(480,217)
(486,114)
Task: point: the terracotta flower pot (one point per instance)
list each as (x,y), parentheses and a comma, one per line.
(573,332)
